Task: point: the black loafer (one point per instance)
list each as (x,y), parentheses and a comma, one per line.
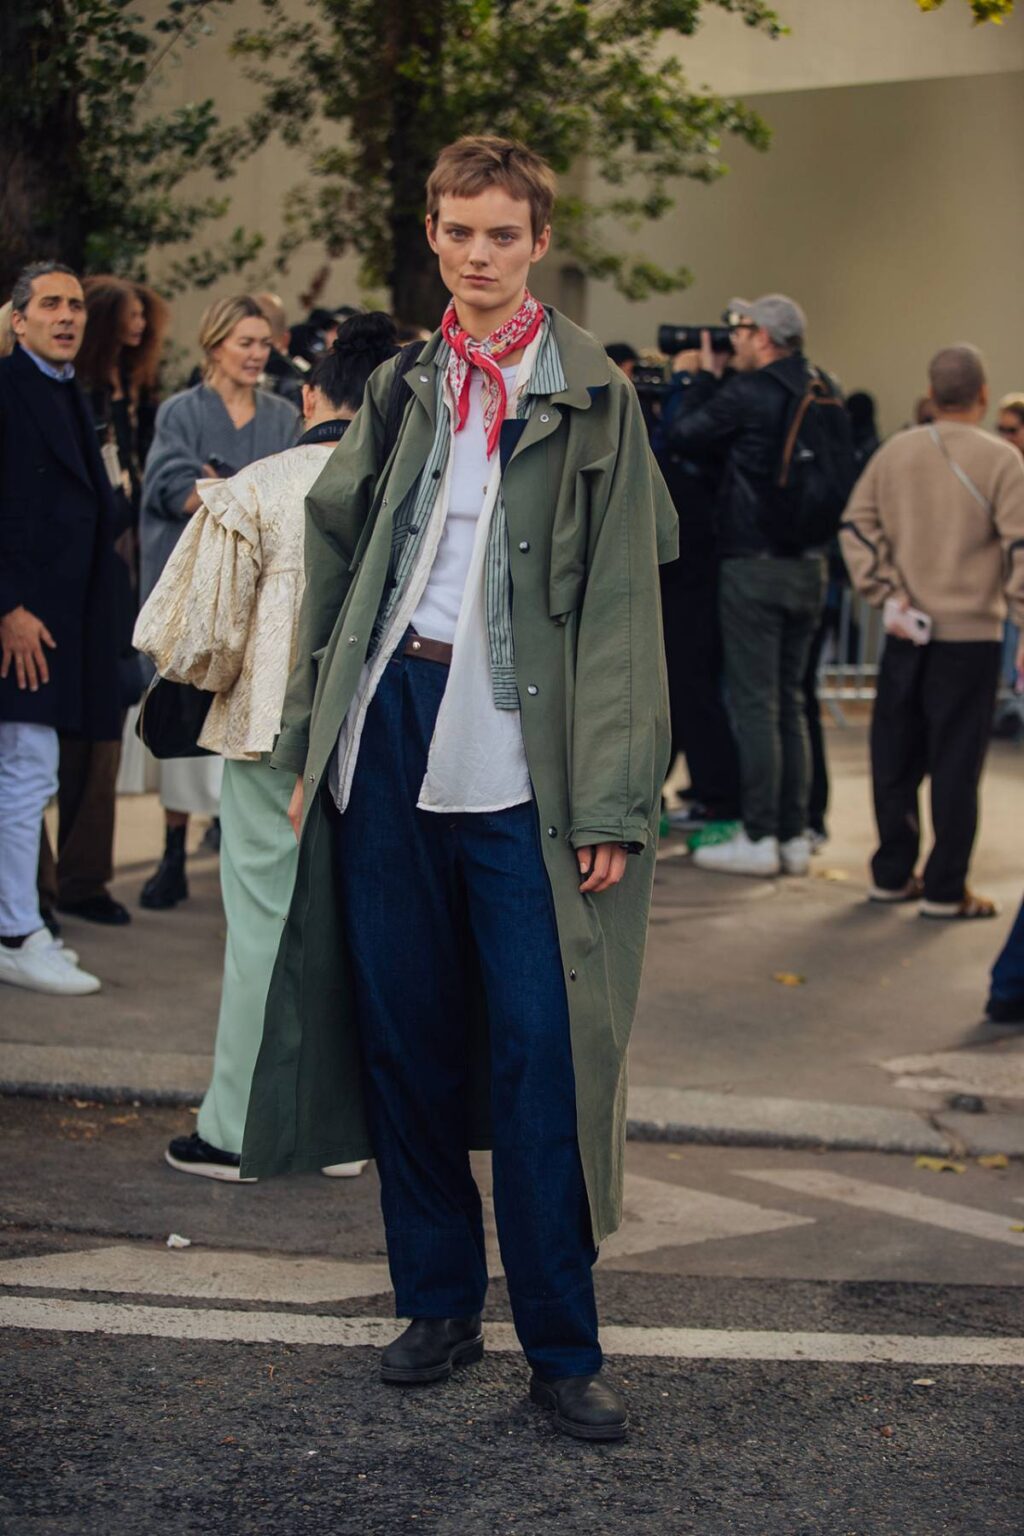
(586,1407)
(191,1154)
(98,909)
(430,1349)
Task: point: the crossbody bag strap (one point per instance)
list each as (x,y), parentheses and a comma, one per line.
(959,471)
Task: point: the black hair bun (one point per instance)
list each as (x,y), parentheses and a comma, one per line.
(366,335)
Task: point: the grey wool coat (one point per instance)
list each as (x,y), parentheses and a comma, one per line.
(589,519)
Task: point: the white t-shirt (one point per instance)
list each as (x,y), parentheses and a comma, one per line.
(438,610)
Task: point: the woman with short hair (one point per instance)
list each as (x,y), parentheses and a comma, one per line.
(209,432)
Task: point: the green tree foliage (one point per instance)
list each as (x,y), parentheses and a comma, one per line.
(88,173)
(372,89)
(984,10)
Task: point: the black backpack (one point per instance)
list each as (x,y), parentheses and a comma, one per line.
(817,471)
(398,399)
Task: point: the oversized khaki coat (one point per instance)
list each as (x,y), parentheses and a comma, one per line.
(589,518)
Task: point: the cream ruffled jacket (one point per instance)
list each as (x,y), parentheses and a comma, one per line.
(224,614)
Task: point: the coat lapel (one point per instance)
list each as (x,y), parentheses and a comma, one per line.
(35,394)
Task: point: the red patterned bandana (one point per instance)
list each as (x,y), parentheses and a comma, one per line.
(517,332)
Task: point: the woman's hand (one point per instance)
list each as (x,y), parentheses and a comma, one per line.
(601,867)
(295,808)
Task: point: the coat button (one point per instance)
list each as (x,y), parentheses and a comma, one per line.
(532,689)
(524,545)
(352,639)
(436,474)
(552,831)
(572,975)
(312,778)
(416,645)
(424,379)
(545,417)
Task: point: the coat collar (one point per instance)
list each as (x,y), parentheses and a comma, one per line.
(324,432)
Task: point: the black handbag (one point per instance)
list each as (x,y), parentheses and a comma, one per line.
(171,718)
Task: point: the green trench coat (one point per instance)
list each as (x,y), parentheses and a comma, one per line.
(589,519)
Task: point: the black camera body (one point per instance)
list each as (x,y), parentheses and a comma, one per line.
(686,338)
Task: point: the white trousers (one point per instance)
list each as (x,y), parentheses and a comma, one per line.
(191,784)
(29,764)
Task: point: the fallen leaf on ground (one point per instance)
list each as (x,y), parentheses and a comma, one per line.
(1017,1226)
(994,1160)
(788,978)
(832,874)
(886,1431)
(924,1381)
(939,1165)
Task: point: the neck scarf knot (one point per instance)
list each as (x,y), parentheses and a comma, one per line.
(466,354)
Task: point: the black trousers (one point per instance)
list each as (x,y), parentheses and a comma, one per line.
(86,804)
(817,802)
(933,715)
(693,657)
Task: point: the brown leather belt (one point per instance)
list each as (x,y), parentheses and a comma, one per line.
(419,647)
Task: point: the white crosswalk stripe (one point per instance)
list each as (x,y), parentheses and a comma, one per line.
(46,1314)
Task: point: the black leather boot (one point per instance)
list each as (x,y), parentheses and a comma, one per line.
(586,1407)
(168,886)
(430,1349)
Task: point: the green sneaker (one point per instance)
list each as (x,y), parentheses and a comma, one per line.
(715,832)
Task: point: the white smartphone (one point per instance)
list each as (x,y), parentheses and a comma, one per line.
(907,623)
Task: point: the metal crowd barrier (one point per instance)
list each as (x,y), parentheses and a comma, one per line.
(852,649)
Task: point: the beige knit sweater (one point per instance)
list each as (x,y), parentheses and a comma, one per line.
(912,529)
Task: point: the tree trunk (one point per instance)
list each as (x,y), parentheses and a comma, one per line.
(418,296)
(42,198)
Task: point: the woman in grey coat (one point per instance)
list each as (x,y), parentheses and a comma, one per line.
(208,432)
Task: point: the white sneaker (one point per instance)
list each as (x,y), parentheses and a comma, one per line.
(40,966)
(740,856)
(795,855)
(344,1170)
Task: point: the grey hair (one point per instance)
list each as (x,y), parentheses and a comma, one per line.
(957,377)
(21,293)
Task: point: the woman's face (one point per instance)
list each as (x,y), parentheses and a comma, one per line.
(1010,427)
(133,323)
(242,356)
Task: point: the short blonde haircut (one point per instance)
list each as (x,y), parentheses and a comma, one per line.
(1014,403)
(472,164)
(219,320)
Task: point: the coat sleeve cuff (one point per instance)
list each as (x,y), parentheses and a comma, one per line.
(632,834)
(289,754)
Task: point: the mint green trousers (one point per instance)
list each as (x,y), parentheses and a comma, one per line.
(258,858)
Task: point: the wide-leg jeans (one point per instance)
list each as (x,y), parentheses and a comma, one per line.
(417,886)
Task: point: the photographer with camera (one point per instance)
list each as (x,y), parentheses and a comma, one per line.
(789,468)
(689,598)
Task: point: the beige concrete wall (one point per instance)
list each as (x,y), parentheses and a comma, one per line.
(893,213)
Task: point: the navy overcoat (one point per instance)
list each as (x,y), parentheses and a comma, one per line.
(58,521)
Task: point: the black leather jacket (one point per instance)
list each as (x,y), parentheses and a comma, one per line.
(747,417)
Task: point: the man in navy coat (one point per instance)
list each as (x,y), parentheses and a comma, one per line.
(58,612)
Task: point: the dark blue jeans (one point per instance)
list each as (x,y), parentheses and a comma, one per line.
(1008,971)
(416,887)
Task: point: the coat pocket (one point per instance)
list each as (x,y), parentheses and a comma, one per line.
(565,594)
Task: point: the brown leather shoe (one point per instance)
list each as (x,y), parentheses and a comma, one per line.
(586,1407)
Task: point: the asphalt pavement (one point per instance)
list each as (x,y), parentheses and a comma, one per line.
(813,1305)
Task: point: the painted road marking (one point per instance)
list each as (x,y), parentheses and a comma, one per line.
(126,1320)
(894,1202)
(661,1215)
(206,1273)
(657,1215)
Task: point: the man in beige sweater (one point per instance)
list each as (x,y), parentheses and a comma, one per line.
(936,524)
